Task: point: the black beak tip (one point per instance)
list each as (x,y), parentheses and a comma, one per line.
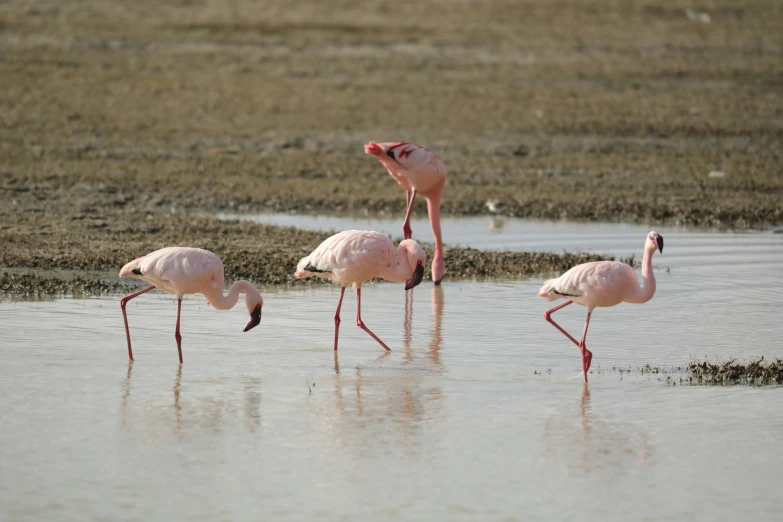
(437,283)
(255,319)
(660,244)
(416,278)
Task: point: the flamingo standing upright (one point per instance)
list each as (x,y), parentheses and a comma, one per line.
(184,270)
(417,171)
(356,256)
(602,284)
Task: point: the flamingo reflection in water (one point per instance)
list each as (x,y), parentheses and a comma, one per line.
(596,443)
(205,413)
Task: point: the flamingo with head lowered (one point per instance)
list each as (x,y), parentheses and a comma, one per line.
(184,270)
(417,171)
(602,284)
(356,256)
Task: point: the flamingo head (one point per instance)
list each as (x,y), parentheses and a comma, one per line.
(255,315)
(654,242)
(417,258)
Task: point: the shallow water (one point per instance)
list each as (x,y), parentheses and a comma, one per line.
(474,415)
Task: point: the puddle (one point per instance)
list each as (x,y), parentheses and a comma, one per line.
(452,424)
(691,248)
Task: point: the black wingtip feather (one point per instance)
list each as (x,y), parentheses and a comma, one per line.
(311,268)
(136,271)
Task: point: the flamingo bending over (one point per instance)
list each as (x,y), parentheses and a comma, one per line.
(356,256)
(601,283)
(185,270)
(417,171)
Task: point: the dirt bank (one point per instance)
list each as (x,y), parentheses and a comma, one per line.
(82,254)
(115,118)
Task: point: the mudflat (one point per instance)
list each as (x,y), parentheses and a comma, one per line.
(125,126)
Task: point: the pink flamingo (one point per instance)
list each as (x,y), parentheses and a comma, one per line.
(356,256)
(601,283)
(417,170)
(184,270)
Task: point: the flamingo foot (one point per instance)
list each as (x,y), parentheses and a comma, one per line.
(588,356)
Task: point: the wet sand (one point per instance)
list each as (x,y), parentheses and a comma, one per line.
(120,122)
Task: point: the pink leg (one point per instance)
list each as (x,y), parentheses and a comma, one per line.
(587,355)
(337,320)
(177,336)
(586,359)
(407,233)
(359,321)
(549,312)
(123,302)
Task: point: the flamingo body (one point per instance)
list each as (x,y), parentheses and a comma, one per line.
(356,256)
(597,284)
(179,270)
(417,171)
(412,167)
(601,284)
(185,270)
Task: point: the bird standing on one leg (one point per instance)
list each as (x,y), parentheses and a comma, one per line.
(184,270)
(418,171)
(601,284)
(356,256)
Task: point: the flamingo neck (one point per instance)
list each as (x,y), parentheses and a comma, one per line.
(227,302)
(433,210)
(401,270)
(646,292)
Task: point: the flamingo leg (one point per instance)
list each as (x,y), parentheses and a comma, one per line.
(587,355)
(337,322)
(549,312)
(177,336)
(406,226)
(123,302)
(359,321)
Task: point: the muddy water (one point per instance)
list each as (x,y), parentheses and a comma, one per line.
(474,415)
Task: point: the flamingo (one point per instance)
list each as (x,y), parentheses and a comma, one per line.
(601,283)
(356,256)
(416,170)
(184,270)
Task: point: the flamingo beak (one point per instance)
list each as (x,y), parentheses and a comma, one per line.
(416,278)
(659,240)
(255,319)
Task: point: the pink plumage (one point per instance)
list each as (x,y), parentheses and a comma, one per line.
(356,256)
(417,171)
(184,270)
(601,284)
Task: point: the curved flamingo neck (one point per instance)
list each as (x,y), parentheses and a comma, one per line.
(401,271)
(227,302)
(646,292)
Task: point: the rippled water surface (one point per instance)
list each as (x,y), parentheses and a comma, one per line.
(474,415)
